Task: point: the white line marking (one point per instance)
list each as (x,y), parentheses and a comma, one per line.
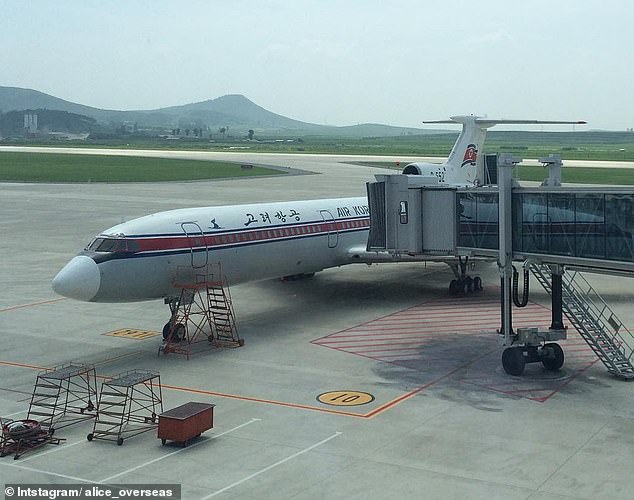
(14,414)
(64,476)
(57,448)
(272,466)
(127,471)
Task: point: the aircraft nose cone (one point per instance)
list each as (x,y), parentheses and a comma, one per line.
(79,279)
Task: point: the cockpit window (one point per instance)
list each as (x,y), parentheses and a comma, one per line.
(112,245)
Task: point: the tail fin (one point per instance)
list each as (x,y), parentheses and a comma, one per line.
(465,160)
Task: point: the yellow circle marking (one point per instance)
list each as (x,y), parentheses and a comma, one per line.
(345,398)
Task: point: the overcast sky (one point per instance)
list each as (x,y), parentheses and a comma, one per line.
(338,62)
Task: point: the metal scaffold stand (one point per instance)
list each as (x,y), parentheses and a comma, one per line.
(128,405)
(63,396)
(202,313)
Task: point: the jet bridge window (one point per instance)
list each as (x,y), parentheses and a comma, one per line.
(478,214)
(590,223)
(619,219)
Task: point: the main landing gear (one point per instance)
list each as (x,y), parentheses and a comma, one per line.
(463,284)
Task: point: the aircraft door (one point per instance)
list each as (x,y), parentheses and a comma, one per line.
(333,233)
(197,244)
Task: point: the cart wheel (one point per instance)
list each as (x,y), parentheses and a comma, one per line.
(119,441)
(89,437)
(163,441)
(16,456)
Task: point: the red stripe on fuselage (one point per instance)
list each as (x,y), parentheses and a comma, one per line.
(259,235)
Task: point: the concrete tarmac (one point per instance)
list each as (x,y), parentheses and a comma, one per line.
(442,419)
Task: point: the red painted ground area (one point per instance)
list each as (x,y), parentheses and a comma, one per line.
(457,337)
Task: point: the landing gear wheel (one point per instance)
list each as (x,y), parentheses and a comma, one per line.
(477,284)
(179,333)
(556,358)
(513,361)
(166,330)
(174,333)
(163,441)
(457,287)
(468,284)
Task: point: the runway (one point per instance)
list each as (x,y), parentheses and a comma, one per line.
(443,420)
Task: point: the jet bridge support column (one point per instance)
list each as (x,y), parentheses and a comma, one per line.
(557,322)
(527,345)
(505,260)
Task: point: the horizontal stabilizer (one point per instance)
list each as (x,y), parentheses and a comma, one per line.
(486,122)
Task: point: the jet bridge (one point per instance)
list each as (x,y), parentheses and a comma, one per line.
(555,231)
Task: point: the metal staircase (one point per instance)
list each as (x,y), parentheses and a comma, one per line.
(595,321)
(222,313)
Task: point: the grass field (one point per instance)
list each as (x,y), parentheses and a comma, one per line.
(607,176)
(44,167)
(578,145)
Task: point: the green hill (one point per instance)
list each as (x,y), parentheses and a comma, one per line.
(234,111)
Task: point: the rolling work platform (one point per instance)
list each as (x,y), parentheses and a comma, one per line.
(202,316)
(129,404)
(548,228)
(21,436)
(63,396)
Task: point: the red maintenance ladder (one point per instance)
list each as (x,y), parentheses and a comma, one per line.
(203,315)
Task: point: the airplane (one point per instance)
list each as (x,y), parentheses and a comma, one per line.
(140,259)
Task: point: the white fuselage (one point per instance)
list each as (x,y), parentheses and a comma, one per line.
(146,258)
(141,259)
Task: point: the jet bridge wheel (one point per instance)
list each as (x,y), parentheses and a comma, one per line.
(553,357)
(513,361)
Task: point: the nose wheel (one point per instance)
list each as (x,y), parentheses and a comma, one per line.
(173,332)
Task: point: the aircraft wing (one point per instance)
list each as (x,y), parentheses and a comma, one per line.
(360,254)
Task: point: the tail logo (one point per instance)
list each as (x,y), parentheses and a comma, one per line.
(470,156)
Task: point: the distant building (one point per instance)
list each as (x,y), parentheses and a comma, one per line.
(30,123)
